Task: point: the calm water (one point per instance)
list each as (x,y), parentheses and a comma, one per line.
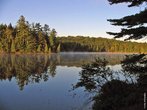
(45,82)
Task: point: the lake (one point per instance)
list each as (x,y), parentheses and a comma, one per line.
(45,82)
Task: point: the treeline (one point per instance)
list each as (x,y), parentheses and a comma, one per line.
(28,38)
(34,38)
(80,43)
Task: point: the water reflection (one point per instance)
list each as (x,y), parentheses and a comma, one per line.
(47,79)
(27,68)
(112,92)
(35,68)
(79,58)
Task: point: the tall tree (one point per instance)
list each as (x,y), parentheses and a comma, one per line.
(46,32)
(26,38)
(10,38)
(22,34)
(46,29)
(40,38)
(3,46)
(52,39)
(135,25)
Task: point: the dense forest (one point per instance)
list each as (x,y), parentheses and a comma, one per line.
(28,38)
(80,43)
(34,38)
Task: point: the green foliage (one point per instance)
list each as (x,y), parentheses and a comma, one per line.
(52,40)
(13,47)
(80,43)
(22,34)
(52,37)
(135,25)
(27,38)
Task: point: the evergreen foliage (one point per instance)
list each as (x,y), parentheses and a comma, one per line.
(27,38)
(135,25)
(88,44)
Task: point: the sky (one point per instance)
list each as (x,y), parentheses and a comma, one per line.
(68,17)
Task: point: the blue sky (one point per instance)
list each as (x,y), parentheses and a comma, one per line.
(68,17)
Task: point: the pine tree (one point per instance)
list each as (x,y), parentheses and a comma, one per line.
(135,24)
(9,37)
(41,41)
(52,39)
(27,38)
(22,34)
(3,46)
(46,30)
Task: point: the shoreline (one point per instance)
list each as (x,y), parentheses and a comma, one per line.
(71,53)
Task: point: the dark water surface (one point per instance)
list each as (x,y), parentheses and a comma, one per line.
(44,82)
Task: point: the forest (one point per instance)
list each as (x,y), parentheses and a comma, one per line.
(91,44)
(27,38)
(35,38)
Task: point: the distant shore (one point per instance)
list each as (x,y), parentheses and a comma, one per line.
(72,53)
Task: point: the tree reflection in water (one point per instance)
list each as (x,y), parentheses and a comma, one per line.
(27,68)
(112,93)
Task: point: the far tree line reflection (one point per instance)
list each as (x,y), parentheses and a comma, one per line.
(27,68)
(112,92)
